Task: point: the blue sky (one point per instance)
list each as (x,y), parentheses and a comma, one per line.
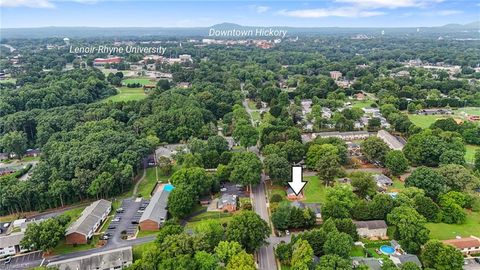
(323,13)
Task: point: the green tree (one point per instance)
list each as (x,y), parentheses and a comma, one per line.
(294,150)
(226,250)
(452,157)
(458,177)
(44,235)
(429,180)
(396,162)
(374,149)
(277,168)
(334,262)
(302,255)
(245,168)
(338,243)
(205,260)
(248,229)
(363,184)
(242,261)
(181,201)
(14,142)
(436,255)
(410,229)
(211,232)
(327,162)
(246,135)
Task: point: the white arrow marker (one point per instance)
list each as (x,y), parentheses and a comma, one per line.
(297,183)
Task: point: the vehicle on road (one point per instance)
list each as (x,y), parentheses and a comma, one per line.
(8,260)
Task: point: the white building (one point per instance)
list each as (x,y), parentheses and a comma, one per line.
(10,244)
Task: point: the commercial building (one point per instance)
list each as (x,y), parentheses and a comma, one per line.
(371,228)
(103,61)
(111,259)
(156,212)
(90,220)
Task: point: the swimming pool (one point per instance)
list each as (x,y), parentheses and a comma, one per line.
(168,187)
(387,250)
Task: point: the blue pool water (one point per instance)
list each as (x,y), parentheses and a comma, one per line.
(168,187)
(387,250)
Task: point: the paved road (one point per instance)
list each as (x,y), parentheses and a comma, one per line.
(266,256)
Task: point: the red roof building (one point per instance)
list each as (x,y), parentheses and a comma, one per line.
(467,245)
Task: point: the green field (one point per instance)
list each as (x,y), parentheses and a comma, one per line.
(470,154)
(217,215)
(64,248)
(468,110)
(141,81)
(444,231)
(127,94)
(146,186)
(362,103)
(424,121)
(9,80)
(314,190)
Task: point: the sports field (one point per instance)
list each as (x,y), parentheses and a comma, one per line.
(127,94)
(141,81)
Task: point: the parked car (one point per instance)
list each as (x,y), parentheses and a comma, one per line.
(141,208)
(477,260)
(141,211)
(120,210)
(134,221)
(223,189)
(105,237)
(117,219)
(8,260)
(112,227)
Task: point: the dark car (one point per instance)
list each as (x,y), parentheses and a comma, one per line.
(134,221)
(477,260)
(8,260)
(111,227)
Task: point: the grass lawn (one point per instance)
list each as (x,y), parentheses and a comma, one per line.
(397,185)
(252,104)
(9,80)
(469,111)
(220,216)
(140,80)
(470,154)
(148,184)
(139,250)
(357,251)
(424,121)
(146,233)
(64,248)
(256,116)
(362,103)
(444,231)
(314,190)
(127,94)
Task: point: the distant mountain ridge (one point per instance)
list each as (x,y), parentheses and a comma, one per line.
(86,32)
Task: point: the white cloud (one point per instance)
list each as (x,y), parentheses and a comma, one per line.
(350,12)
(449,12)
(259,9)
(391,4)
(27,3)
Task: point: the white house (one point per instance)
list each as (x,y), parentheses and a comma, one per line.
(371,228)
(10,244)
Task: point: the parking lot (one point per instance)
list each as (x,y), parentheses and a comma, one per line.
(25,261)
(124,223)
(231,188)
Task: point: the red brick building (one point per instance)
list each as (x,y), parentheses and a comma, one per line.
(156,212)
(90,220)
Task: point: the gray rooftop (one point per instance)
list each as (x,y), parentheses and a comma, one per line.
(404,258)
(157,208)
(11,240)
(111,259)
(372,263)
(227,199)
(90,216)
(371,224)
(383,179)
(390,140)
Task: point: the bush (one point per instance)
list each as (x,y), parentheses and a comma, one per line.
(275,198)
